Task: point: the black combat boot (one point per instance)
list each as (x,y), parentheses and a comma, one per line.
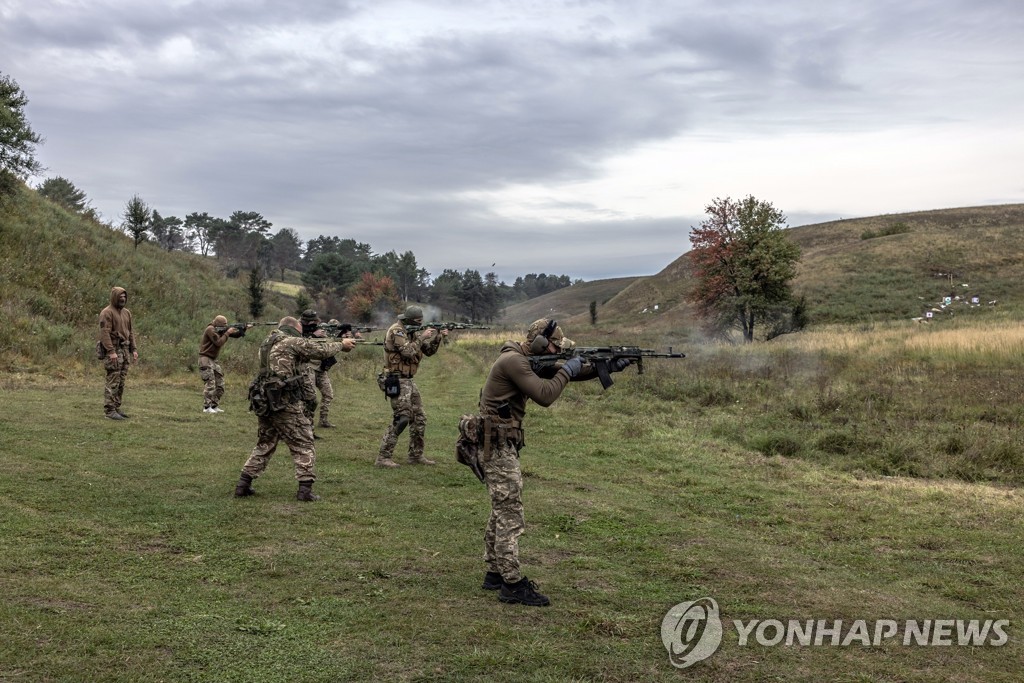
(244,486)
(492,581)
(305,492)
(523,591)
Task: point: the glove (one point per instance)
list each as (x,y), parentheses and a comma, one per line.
(620,364)
(573,366)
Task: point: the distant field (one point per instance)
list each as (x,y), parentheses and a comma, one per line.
(285,287)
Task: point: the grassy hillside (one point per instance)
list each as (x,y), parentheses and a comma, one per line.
(891,267)
(56,272)
(895,266)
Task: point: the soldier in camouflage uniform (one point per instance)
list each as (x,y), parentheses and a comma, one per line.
(323,380)
(510,382)
(403,351)
(310,328)
(117,340)
(281,357)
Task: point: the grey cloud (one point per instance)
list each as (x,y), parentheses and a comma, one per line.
(373,140)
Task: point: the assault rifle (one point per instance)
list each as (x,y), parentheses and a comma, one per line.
(366,342)
(600,358)
(240,327)
(445,326)
(335,330)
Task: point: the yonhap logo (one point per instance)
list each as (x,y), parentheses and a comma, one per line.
(691,632)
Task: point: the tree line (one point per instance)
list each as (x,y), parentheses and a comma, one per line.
(340,275)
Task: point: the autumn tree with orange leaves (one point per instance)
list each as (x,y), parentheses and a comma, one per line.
(370,295)
(744,262)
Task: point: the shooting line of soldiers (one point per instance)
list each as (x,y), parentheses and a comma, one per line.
(294,361)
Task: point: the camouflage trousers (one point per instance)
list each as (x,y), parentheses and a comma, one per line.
(506,523)
(407,407)
(291,426)
(117,372)
(323,383)
(213,376)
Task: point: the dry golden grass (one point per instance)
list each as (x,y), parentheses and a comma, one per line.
(995,339)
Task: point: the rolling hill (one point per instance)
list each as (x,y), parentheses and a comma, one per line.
(886,267)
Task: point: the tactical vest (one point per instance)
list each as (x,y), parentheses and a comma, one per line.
(394,360)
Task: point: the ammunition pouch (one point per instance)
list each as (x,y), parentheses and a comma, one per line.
(478,434)
(390,383)
(499,430)
(271,394)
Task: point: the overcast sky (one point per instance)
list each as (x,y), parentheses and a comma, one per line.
(577,137)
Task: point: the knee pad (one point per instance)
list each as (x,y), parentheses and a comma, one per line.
(401,422)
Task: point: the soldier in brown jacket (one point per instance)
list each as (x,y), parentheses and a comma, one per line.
(510,382)
(403,351)
(117,339)
(209,369)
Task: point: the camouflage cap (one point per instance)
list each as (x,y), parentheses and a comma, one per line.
(412,313)
(557,337)
(309,316)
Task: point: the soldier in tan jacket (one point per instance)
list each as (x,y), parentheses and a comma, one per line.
(215,336)
(117,339)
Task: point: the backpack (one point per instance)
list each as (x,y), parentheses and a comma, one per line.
(267,392)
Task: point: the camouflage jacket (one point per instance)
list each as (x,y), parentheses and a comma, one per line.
(403,350)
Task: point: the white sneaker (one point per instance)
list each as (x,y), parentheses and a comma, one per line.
(218,410)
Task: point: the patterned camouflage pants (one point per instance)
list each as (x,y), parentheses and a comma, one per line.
(213,376)
(117,372)
(506,523)
(323,383)
(291,426)
(407,405)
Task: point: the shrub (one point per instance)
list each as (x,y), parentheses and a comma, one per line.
(776,444)
(838,443)
(893,229)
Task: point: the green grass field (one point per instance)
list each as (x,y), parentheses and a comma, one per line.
(124,556)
